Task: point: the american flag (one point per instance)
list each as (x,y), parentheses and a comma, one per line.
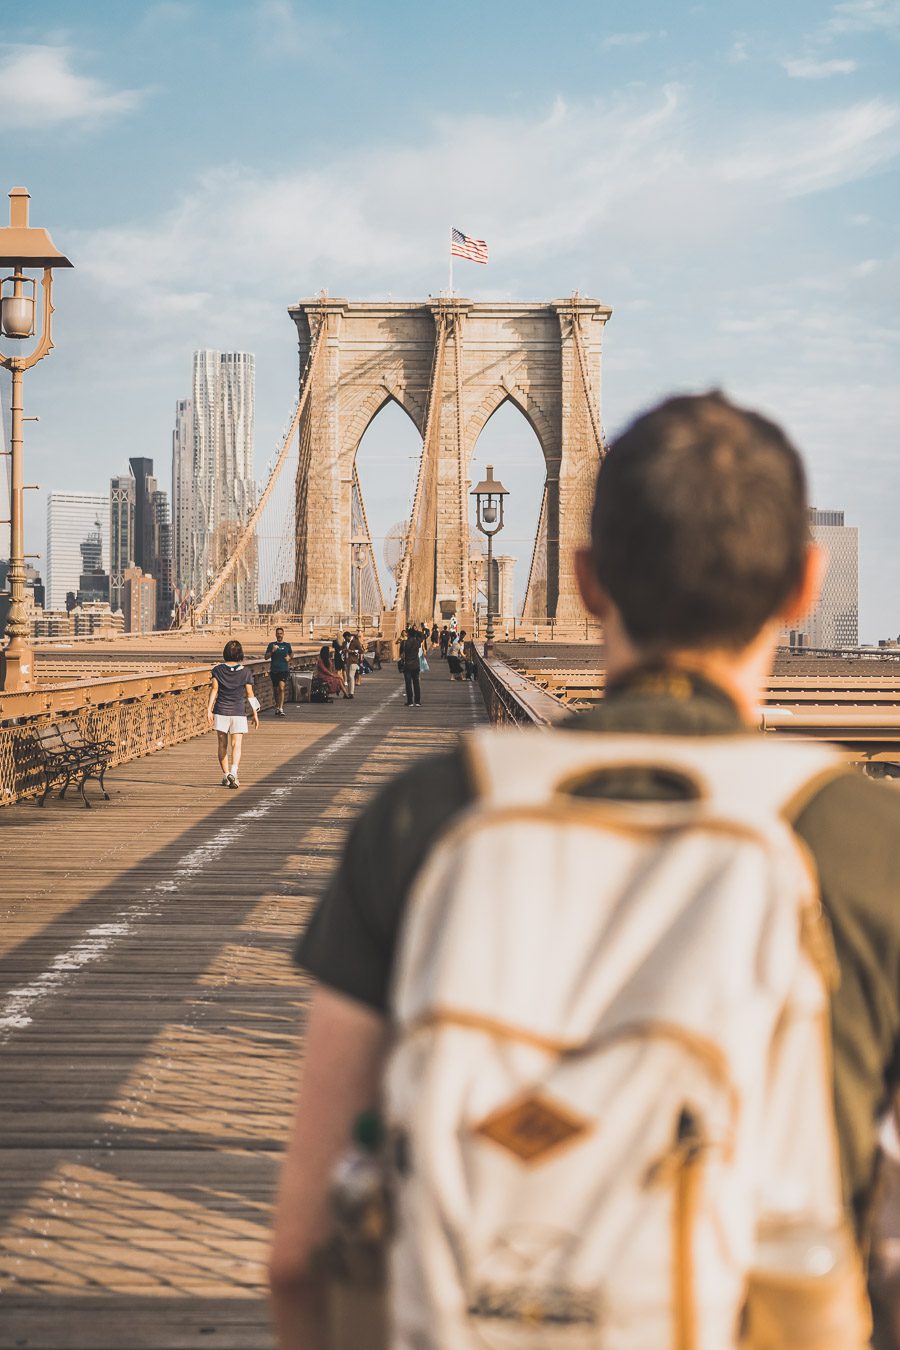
(462,246)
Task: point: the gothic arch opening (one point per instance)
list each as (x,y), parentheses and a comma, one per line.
(387,462)
(509,442)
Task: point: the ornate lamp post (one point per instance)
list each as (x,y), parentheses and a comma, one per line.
(359,561)
(489,495)
(23,249)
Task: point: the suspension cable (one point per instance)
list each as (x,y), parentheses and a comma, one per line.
(247,533)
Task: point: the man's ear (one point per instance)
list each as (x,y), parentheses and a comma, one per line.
(595,598)
(805,596)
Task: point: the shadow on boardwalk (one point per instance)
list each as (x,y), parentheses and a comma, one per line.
(147,1097)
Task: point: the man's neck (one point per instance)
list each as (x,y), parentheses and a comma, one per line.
(742,675)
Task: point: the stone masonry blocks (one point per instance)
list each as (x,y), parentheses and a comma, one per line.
(522,352)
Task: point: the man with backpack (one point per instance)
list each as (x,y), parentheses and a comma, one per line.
(592,990)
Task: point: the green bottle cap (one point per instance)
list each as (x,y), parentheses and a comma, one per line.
(368,1131)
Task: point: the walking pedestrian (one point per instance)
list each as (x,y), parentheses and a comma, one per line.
(410,654)
(230,691)
(351,665)
(278,654)
(454,658)
(648,872)
(445,640)
(337,655)
(467,656)
(434,635)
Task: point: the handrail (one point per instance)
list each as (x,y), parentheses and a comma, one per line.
(511,697)
(136,713)
(71,694)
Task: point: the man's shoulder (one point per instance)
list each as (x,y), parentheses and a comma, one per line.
(350,940)
(406,815)
(852,827)
(856,807)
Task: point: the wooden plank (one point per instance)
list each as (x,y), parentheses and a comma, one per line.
(148,1090)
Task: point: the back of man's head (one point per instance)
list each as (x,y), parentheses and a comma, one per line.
(700,528)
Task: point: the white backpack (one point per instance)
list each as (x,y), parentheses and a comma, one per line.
(611,1084)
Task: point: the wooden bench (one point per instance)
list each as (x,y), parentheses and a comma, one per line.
(61,752)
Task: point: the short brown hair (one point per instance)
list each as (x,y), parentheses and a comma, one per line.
(233,651)
(700,524)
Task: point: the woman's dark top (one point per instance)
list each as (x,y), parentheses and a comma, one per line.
(230,700)
(411,648)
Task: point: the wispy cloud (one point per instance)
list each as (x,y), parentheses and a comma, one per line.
(865,16)
(40,88)
(636,39)
(166,14)
(609,171)
(807,154)
(285,31)
(809,68)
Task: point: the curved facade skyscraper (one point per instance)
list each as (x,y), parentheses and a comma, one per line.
(223,487)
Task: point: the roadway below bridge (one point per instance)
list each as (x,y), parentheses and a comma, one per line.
(151,1019)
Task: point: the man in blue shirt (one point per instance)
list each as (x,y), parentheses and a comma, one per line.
(277,653)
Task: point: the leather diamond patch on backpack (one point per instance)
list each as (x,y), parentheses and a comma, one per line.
(532,1126)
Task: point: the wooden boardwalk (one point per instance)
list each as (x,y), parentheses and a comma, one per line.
(151,1020)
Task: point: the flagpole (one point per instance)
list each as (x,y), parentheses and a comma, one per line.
(450,281)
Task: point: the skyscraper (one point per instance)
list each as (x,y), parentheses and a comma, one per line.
(162,559)
(835,620)
(141,535)
(93,583)
(144,518)
(224,489)
(182,494)
(121,516)
(71,517)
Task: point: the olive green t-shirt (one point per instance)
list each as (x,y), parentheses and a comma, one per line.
(852,827)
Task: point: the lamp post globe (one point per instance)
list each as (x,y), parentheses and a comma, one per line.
(489,495)
(359,562)
(25,249)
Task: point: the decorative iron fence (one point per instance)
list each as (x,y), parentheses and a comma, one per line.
(138,713)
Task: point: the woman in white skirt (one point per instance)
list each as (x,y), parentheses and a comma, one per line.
(229,693)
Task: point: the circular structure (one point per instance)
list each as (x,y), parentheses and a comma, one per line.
(395,547)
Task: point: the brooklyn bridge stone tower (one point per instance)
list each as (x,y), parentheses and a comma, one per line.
(449,364)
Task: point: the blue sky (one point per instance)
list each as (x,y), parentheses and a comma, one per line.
(723,174)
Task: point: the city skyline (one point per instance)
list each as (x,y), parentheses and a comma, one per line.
(71,517)
(727,185)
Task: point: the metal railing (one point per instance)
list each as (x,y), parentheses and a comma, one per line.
(138,713)
(869,736)
(512,698)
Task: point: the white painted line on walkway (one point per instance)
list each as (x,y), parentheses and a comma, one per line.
(17,1009)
